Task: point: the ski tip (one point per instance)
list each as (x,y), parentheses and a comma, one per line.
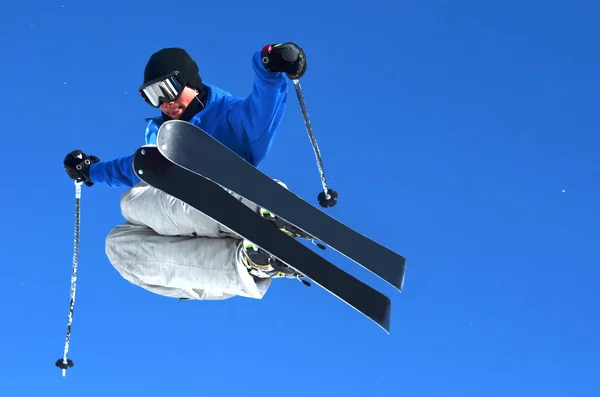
(397,280)
(400,282)
(386,321)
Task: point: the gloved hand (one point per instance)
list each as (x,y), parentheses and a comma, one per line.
(286,57)
(77,164)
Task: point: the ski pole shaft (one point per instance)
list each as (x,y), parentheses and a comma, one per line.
(66,363)
(327,197)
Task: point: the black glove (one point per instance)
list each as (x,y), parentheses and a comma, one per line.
(286,57)
(77,164)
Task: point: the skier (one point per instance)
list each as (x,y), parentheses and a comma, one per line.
(166,246)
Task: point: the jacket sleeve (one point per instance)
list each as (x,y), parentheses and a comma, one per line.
(256,118)
(118,172)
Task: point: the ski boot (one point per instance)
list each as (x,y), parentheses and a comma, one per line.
(286,227)
(262,265)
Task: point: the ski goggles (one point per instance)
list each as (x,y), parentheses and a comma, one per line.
(163,89)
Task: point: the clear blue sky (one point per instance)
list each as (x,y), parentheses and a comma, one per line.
(463,135)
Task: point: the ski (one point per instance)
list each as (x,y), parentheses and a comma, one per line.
(193,149)
(211,199)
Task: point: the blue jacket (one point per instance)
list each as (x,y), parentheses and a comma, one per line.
(247,126)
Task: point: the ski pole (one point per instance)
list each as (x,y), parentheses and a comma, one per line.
(64,363)
(327,198)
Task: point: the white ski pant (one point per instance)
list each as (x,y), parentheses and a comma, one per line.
(171,249)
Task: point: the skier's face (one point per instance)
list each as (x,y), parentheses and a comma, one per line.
(176,108)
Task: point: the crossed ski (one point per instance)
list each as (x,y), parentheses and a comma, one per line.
(216,203)
(195,150)
(189,164)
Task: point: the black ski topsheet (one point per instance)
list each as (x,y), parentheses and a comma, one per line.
(193,149)
(212,200)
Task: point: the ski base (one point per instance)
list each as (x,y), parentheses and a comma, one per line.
(211,199)
(193,149)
